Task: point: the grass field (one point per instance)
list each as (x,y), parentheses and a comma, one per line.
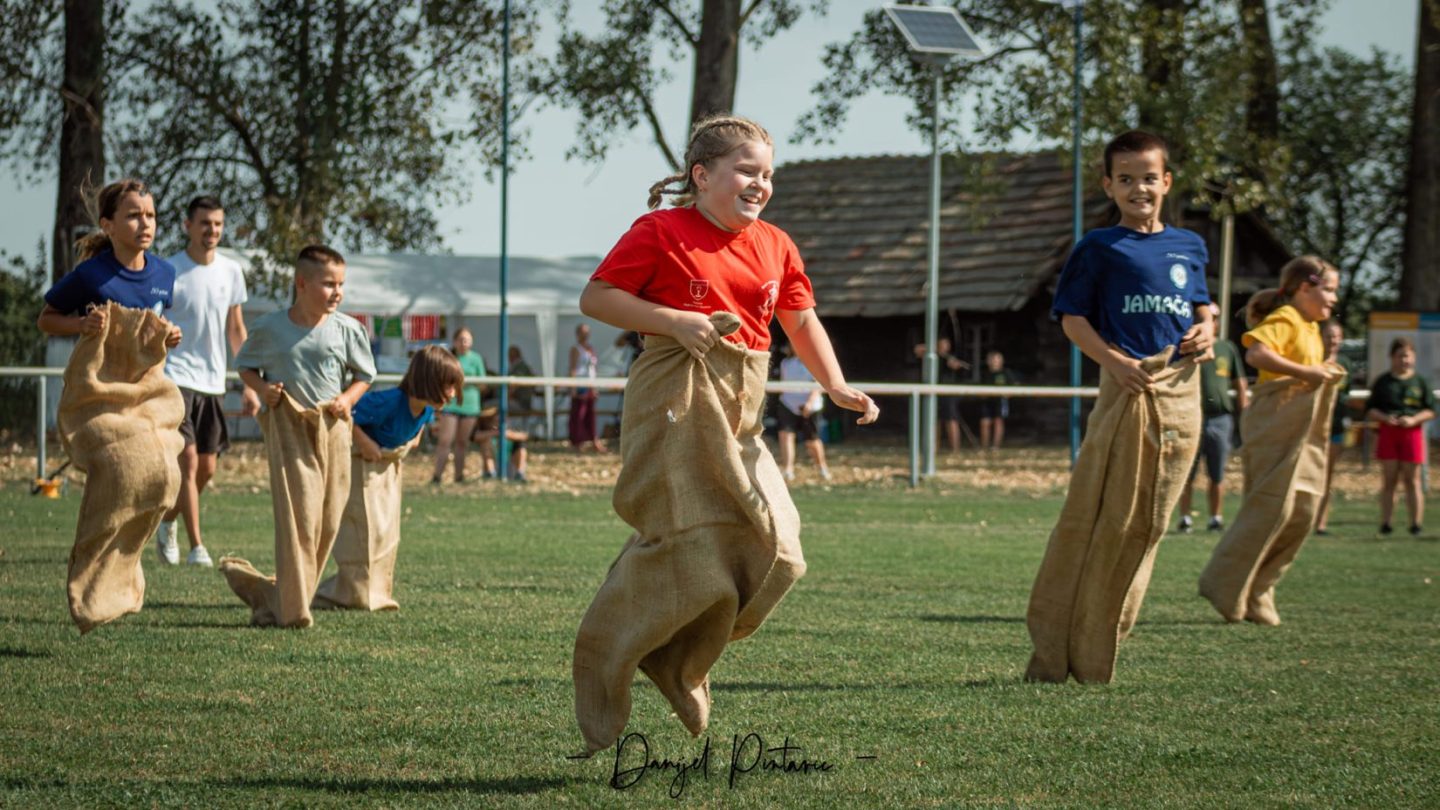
(905,643)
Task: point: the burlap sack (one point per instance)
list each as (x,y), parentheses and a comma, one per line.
(309,456)
(1286,430)
(1129,475)
(119,420)
(369,537)
(716,542)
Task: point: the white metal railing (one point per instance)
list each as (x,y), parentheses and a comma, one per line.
(915,391)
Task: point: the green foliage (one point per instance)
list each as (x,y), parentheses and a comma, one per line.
(22,287)
(905,641)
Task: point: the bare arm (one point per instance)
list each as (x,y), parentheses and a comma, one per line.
(368,447)
(267,391)
(235,331)
(608,303)
(812,345)
(1125,369)
(54,322)
(341,405)
(1198,341)
(1242,391)
(1263,357)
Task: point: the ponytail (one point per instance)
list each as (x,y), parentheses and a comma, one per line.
(712,137)
(1299,270)
(105,203)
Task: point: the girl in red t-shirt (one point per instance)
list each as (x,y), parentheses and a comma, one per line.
(716,541)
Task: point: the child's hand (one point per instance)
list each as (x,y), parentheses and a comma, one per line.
(94,321)
(1320,375)
(1199,340)
(853,399)
(249,402)
(1404,421)
(172,337)
(695,332)
(1130,374)
(273,392)
(339,408)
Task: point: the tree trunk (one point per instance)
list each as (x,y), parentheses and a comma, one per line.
(1420,266)
(717,59)
(82,147)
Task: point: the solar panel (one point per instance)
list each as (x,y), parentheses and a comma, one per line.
(935,30)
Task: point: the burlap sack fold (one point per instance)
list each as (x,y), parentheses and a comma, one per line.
(309,456)
(717,538)
(1286,430)
(1129,475)
(119,420)
(369,537)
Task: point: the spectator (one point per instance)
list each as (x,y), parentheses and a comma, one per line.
(994,410)
(457,421)
(1333,334)
(950,367)
(1219,413)
(584,363)
(1402,402)
(799,412)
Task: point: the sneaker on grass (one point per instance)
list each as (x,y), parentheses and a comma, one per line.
(1216,524)
(199,556)
(1186,524)
(166,547)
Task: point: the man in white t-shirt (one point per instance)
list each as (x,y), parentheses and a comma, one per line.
(209,290)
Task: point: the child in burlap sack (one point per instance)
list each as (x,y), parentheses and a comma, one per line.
(119,416)
(297,359)
(1287,431)
(1132,297)
(387,426)
(716,542)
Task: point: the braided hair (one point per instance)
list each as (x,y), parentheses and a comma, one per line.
(710,138)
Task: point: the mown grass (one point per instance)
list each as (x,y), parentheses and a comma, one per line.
(905,642)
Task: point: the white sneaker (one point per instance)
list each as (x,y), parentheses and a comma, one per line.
(789,475)
(825,473)
(199,556)
(166,547)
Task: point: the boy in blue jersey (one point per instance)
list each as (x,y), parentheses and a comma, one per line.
(1132,298)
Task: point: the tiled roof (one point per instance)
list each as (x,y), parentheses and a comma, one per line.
(862,226)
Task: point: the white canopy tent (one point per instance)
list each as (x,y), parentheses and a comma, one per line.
(543,297)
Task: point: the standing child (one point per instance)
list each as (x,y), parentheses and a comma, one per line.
(1287,430)
(799,412)
(1402,402)
(1132,297)
(1333,334)
(1218,378)
(119,417)
(297,360)
(994,410)
(387,425)
(717,539)
(454,425)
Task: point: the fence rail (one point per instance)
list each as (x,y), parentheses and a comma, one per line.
(915,392)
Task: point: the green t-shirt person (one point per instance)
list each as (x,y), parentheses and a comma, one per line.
(468,404)
(1393,396)
(1216,379)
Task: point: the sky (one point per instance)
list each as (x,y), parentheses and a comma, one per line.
(562,207)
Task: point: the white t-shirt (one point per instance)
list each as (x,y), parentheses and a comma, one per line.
(792,370)
(203,297)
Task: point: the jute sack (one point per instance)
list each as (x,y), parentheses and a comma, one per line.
(1127,479)
(717,538)
(309,456)
(1286,430)
(119,420)
(369,537)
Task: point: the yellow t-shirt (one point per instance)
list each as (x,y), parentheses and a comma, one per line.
(1290,336)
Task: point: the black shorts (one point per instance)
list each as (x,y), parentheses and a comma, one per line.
(950,409)
(204,424)
(795,423)
(995,408)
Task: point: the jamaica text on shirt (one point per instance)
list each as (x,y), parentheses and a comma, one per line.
(1168,304)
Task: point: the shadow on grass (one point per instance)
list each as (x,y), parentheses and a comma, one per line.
(16,652)
(514,786)
(950,619)
(190,605)
(240,625)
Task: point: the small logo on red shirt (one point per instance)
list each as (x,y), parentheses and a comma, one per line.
(699,288)
(772,295)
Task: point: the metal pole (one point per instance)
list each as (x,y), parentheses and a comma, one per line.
(932,297)
(40,461)
(914,440)
(502,450)
(1077,232)
(1227,269)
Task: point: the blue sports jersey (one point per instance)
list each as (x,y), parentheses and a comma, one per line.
(1138,290)
(385,417)
(101,278)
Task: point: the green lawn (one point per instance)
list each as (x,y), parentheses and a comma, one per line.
(905,642)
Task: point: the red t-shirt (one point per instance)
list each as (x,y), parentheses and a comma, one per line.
(679,259)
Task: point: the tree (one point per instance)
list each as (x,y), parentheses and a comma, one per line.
(611,79)
(22,284)
(1420,274)
(1174,69)
(1344,120)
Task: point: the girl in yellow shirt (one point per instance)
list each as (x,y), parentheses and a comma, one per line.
(1291,407)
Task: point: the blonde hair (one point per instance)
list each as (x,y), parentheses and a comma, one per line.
(1299,270)
(106,202)
(711,138)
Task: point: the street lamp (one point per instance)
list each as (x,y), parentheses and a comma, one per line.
(935,36)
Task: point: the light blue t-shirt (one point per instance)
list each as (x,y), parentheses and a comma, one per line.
(1138,290)
(311,362)
(385,417)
